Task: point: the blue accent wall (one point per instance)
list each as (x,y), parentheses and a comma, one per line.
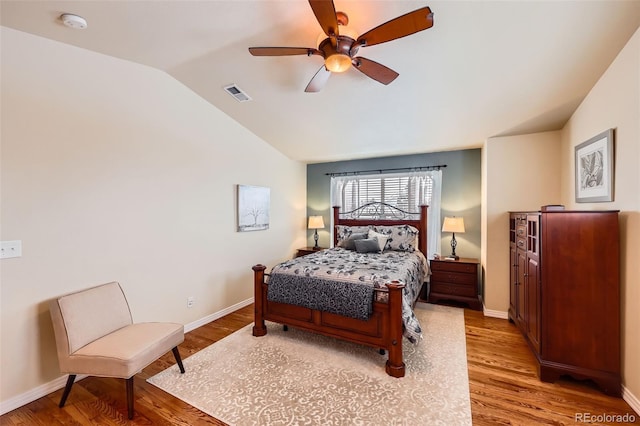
(461,191)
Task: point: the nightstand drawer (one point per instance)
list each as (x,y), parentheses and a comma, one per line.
(452,266)
(307,250)
(453,278)
(453,289)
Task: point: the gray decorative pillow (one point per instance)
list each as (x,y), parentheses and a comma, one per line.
(343,232)
(350,243)
(368,245)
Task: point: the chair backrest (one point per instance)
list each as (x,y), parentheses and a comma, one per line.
(80,318)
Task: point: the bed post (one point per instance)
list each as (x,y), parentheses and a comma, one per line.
(259,329)
(395,364)
(422,237)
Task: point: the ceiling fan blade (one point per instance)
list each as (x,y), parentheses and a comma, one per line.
(325,13)
(318,81)
(375,70)
(411,23)
(283,51)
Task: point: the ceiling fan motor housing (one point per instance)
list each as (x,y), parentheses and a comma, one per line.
(344,45)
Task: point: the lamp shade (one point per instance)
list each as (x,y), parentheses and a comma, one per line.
(316,222)
(453,224)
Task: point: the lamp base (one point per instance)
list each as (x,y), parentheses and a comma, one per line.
(454,244)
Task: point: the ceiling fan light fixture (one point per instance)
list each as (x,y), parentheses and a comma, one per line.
(338,62)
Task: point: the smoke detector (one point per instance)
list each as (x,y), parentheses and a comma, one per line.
(73,21)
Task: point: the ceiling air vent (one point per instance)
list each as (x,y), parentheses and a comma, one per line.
(237,93)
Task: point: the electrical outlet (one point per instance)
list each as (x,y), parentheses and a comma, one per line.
(190,301)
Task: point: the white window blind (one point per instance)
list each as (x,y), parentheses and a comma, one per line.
(402,191)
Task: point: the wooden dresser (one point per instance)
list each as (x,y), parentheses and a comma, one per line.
(565,292)
(455,280)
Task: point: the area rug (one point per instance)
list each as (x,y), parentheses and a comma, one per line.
(299,378)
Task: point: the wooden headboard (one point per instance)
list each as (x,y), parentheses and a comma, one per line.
(371,214)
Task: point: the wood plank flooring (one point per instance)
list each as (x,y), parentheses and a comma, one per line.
(504,387)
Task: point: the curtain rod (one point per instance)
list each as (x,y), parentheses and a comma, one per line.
(404,169)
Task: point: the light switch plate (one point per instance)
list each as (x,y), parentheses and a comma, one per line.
(10,249)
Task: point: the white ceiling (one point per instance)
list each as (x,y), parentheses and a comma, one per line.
(486,68)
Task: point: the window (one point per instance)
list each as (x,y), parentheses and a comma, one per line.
(406,191)
(403,192)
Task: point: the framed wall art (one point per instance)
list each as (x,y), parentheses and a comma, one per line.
(253,208)
(594,169)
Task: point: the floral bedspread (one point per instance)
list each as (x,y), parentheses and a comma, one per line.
(342,281)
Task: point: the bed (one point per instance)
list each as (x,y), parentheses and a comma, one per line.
(388,314)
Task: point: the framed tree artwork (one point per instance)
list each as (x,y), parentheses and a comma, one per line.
(253,208)
(594,169)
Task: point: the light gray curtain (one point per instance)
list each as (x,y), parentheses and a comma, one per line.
(433,213)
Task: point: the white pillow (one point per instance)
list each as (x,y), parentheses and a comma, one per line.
(382,239)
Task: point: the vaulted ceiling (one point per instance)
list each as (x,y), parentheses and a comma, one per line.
(485,68)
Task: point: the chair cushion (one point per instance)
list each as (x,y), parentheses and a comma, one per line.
(90,314)
(126,351)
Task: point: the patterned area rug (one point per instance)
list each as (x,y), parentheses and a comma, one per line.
(296,377)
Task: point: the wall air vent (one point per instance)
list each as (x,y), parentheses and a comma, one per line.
(237,93)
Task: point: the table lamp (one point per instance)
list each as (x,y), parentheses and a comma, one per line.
(315,223)
(453,225)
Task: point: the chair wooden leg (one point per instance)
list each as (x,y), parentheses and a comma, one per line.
(67,389)
(130,396)
(178,359)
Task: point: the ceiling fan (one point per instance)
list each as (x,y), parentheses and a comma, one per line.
(340,47)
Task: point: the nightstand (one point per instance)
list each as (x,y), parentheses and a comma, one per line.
(455,280)
(307,250)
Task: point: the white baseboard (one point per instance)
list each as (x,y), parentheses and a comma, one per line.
(217,315)
(52,386)
(495,314)
(631,399)
(35,393)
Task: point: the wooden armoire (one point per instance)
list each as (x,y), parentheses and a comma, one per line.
(565,292)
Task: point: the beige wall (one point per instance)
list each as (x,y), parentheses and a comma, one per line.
(614,102)
(116,171)
(520,173)
(538,178)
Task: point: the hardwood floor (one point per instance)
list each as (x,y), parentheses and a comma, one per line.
(503,384)
(505,388)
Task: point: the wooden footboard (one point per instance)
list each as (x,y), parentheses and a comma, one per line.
(382,330)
